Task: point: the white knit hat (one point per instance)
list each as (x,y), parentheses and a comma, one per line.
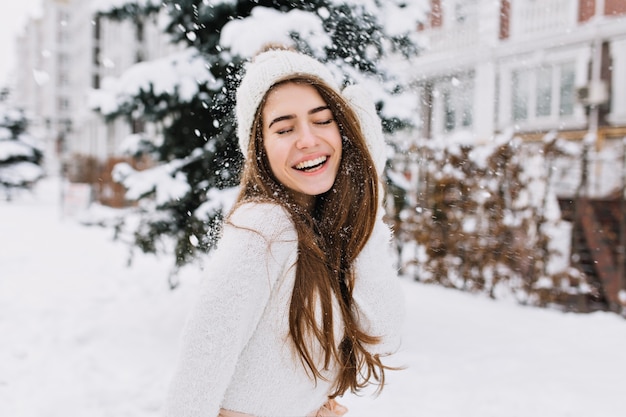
(371,126)
(272,66)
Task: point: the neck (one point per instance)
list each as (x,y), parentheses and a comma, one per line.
(306,201)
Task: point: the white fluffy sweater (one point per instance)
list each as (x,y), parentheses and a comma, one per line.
(235,349)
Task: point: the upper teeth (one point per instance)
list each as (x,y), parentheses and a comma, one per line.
(310,163)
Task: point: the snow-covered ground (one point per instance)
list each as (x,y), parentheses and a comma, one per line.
(83,335)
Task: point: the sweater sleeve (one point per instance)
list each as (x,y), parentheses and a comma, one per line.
(255,250)
(377,294)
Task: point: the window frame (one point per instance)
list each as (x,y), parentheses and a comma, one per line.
(453,112)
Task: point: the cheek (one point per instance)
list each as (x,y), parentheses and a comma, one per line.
(276,155)
(338,142)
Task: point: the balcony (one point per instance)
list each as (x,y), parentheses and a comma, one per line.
(464,27)
(531,19)
(444,39)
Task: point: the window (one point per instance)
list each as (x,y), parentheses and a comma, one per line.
(97,28)
(63,103)
(465,11)
(139,31)
(139,56)
(95,56)
(63,60)
(64,17)
(543,103)
(566,95)
(521,83)
(456,97)
(543,93)
(449,116)
(63,34)
(63,79)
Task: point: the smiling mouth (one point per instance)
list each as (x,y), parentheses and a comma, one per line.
(311,165)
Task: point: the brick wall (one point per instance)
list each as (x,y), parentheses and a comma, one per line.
(505,18)
(587,8)
(436,17)
(614,7)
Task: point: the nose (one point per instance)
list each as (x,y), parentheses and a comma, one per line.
(307,137)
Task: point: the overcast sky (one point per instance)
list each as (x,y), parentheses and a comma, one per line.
(12,19)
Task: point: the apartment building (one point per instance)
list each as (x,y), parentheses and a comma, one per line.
(534,68)
(530,67)
(63,56)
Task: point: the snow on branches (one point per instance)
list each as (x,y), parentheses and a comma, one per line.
(186,100)
(485,219)
(20,153)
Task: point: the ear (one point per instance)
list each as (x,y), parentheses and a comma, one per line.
(371,126)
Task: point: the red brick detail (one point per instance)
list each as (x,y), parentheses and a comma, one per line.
(586,10)
(436,18)
(505,18)
(614,7)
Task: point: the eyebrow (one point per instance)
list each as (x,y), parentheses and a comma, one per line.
(291,116)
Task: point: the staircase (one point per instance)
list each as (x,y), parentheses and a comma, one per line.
(596,246)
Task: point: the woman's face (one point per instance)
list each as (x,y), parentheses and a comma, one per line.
(302,140)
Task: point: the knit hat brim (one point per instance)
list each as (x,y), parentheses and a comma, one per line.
(262,73)
(273,66)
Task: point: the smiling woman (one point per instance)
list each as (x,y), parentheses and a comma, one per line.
(302,303)
(301,139)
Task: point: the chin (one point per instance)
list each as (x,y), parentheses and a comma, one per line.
(321,191)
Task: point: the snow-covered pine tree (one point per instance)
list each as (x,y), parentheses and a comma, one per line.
(366,41)
(20,154)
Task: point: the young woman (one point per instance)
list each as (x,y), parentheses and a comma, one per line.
(301,301)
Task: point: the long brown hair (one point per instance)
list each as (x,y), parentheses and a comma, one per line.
(330,237)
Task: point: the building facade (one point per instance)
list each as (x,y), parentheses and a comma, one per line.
(529,67)
(63,57)
(525,67)
(534,70)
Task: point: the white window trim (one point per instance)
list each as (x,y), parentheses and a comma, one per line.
(438,112)
(578,56)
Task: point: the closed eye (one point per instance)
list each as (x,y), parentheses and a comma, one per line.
(325,122)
